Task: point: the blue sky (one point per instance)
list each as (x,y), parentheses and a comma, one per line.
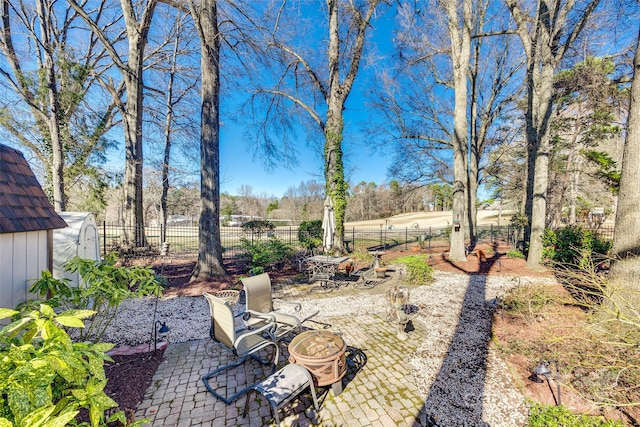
(238,167)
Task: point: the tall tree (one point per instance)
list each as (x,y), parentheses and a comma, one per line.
(175,81)
(583,126)
(461,71)
(493,67)
(547,34)
(460,36)
(319,89)
(625,270)
(64,136)
(137,21)
(210,264)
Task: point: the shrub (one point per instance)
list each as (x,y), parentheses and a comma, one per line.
(575,247)
(105,286)
(418,271)
(560,416)
(257,227)
(310,234)
(45,378)
(359,255)
(514,253)
(266,255)
(528,300)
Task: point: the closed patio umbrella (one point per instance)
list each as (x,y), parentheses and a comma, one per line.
(328,225)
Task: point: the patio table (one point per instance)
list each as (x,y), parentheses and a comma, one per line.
(323,268)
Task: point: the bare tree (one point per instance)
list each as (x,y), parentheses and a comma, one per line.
(444,51)
(547,33)
(175,82)
(319,89)
(460,54)
(249,203)
(304,202)
(137,21)
(65,137)
(492,69)
(210,264)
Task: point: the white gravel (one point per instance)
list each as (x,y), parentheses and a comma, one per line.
(454,361)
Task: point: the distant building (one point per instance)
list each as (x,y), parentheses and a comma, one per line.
(234,220)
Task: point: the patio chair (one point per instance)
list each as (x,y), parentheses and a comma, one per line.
(258,295)
(242,343)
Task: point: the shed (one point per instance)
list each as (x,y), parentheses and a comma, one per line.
(27,221)
(80,238)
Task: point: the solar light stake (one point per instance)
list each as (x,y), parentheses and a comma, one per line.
(543,370)
(163,330)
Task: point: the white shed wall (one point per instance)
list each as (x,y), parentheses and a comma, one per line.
(23,256)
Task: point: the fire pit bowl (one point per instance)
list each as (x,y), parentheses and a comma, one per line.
(323,354)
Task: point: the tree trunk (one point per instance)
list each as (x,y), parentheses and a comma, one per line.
(137,33)
(625,269)
(472,197)
(165,170)
(334,168)
(132,121)
(538,161)
(57,151)
(334,176)
(460,56)
(167,140)
(210,262)
(573,193)
(544,50)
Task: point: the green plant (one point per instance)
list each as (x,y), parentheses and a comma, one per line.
(266,255)
(257,227)
(105,286)
(574,247)
(310,234)
(45,378)
(56,291)
(560,416)
(514,253)
(418,271)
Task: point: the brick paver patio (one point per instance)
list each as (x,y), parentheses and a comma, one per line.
(379,389)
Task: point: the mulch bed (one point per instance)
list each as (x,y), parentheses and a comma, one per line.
(129,377)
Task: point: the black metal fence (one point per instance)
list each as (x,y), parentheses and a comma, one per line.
(183,240)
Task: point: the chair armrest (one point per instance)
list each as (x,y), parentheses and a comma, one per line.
(297,305)
(269,318)
(270,328)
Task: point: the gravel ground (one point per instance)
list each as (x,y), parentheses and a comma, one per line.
(464,382)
